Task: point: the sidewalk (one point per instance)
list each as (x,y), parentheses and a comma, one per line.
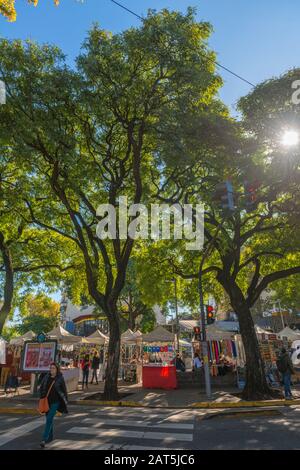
(139,397)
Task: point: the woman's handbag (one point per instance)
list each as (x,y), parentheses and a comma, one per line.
(43,406)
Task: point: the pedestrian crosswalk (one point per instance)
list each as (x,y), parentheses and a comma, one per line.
(19,431)
(104,429)
(133,430)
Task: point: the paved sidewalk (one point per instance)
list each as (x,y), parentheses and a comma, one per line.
(137,396)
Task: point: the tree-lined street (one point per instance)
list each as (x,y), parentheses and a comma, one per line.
(149,429)
(132,190)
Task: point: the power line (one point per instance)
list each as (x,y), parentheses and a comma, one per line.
(208,58)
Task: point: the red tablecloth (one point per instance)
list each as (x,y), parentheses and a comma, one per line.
(159,377)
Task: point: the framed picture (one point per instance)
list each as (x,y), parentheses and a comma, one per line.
(37,357)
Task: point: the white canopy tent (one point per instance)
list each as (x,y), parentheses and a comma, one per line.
(129,337)
(20,340)
(213,332)
(160,334)
(261,331)
(291,335)
(96,338)
(63,336)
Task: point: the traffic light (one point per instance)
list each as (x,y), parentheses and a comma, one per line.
(210,314)
(251,195)
(197,332)
(224,196)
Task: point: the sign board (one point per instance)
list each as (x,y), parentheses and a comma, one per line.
(37,357)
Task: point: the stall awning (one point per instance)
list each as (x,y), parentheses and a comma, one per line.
(20,340)
(63,336)
(213,332)
(159,335)
(97,338)
(290,334)
(129,337)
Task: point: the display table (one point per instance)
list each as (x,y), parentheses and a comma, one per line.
(71,376)
(159,376)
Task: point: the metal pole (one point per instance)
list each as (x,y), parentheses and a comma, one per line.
(176,307)
(203,339)
(202,312)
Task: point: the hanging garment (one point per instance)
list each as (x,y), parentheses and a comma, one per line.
(234,351)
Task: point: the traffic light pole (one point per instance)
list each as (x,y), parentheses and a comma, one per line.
(202,314)
(177,319)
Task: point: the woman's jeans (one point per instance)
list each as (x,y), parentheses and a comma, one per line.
(85,377)
(48,432)
(286,377)
(94,376)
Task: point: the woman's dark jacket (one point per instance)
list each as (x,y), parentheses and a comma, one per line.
(95,362)
(60,388)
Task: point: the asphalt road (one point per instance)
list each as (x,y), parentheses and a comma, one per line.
(113,428)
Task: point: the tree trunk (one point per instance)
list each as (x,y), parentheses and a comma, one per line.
(9,283)
(256,387)
(131,320)
(112,369)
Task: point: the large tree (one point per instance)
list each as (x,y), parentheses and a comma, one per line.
(252,247)
(27,255)
(90,135)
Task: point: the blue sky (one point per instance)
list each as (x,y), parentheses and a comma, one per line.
(258,39)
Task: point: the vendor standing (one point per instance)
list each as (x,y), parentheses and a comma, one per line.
(95,367)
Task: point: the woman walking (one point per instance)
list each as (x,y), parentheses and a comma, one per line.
(54,388)
(85,371)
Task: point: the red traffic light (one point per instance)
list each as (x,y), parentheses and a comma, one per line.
(197,330)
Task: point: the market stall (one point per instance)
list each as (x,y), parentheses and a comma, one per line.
(66,343)
(289,335)
(186,352)
(96,342)
(131,357)
(158,352)
(222,353)
(14,352)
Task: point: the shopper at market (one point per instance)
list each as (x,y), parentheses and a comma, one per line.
(85,371)
(197,363)
(178,362)
(54,388)
(285,367)
(95,367)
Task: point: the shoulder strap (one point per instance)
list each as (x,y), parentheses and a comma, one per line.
(50,388)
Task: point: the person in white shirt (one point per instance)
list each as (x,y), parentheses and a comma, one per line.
(197,363)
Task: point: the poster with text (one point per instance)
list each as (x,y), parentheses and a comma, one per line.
(37,357)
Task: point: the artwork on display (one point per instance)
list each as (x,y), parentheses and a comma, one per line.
(37,357)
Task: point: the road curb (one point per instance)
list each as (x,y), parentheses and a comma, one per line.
(245,404)
(21,411)
(252,413)
(107,403)
(133,404)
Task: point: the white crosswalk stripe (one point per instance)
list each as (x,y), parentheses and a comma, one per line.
(146,424)
(161,436)
(20,431)
(128,429)
(103,429)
